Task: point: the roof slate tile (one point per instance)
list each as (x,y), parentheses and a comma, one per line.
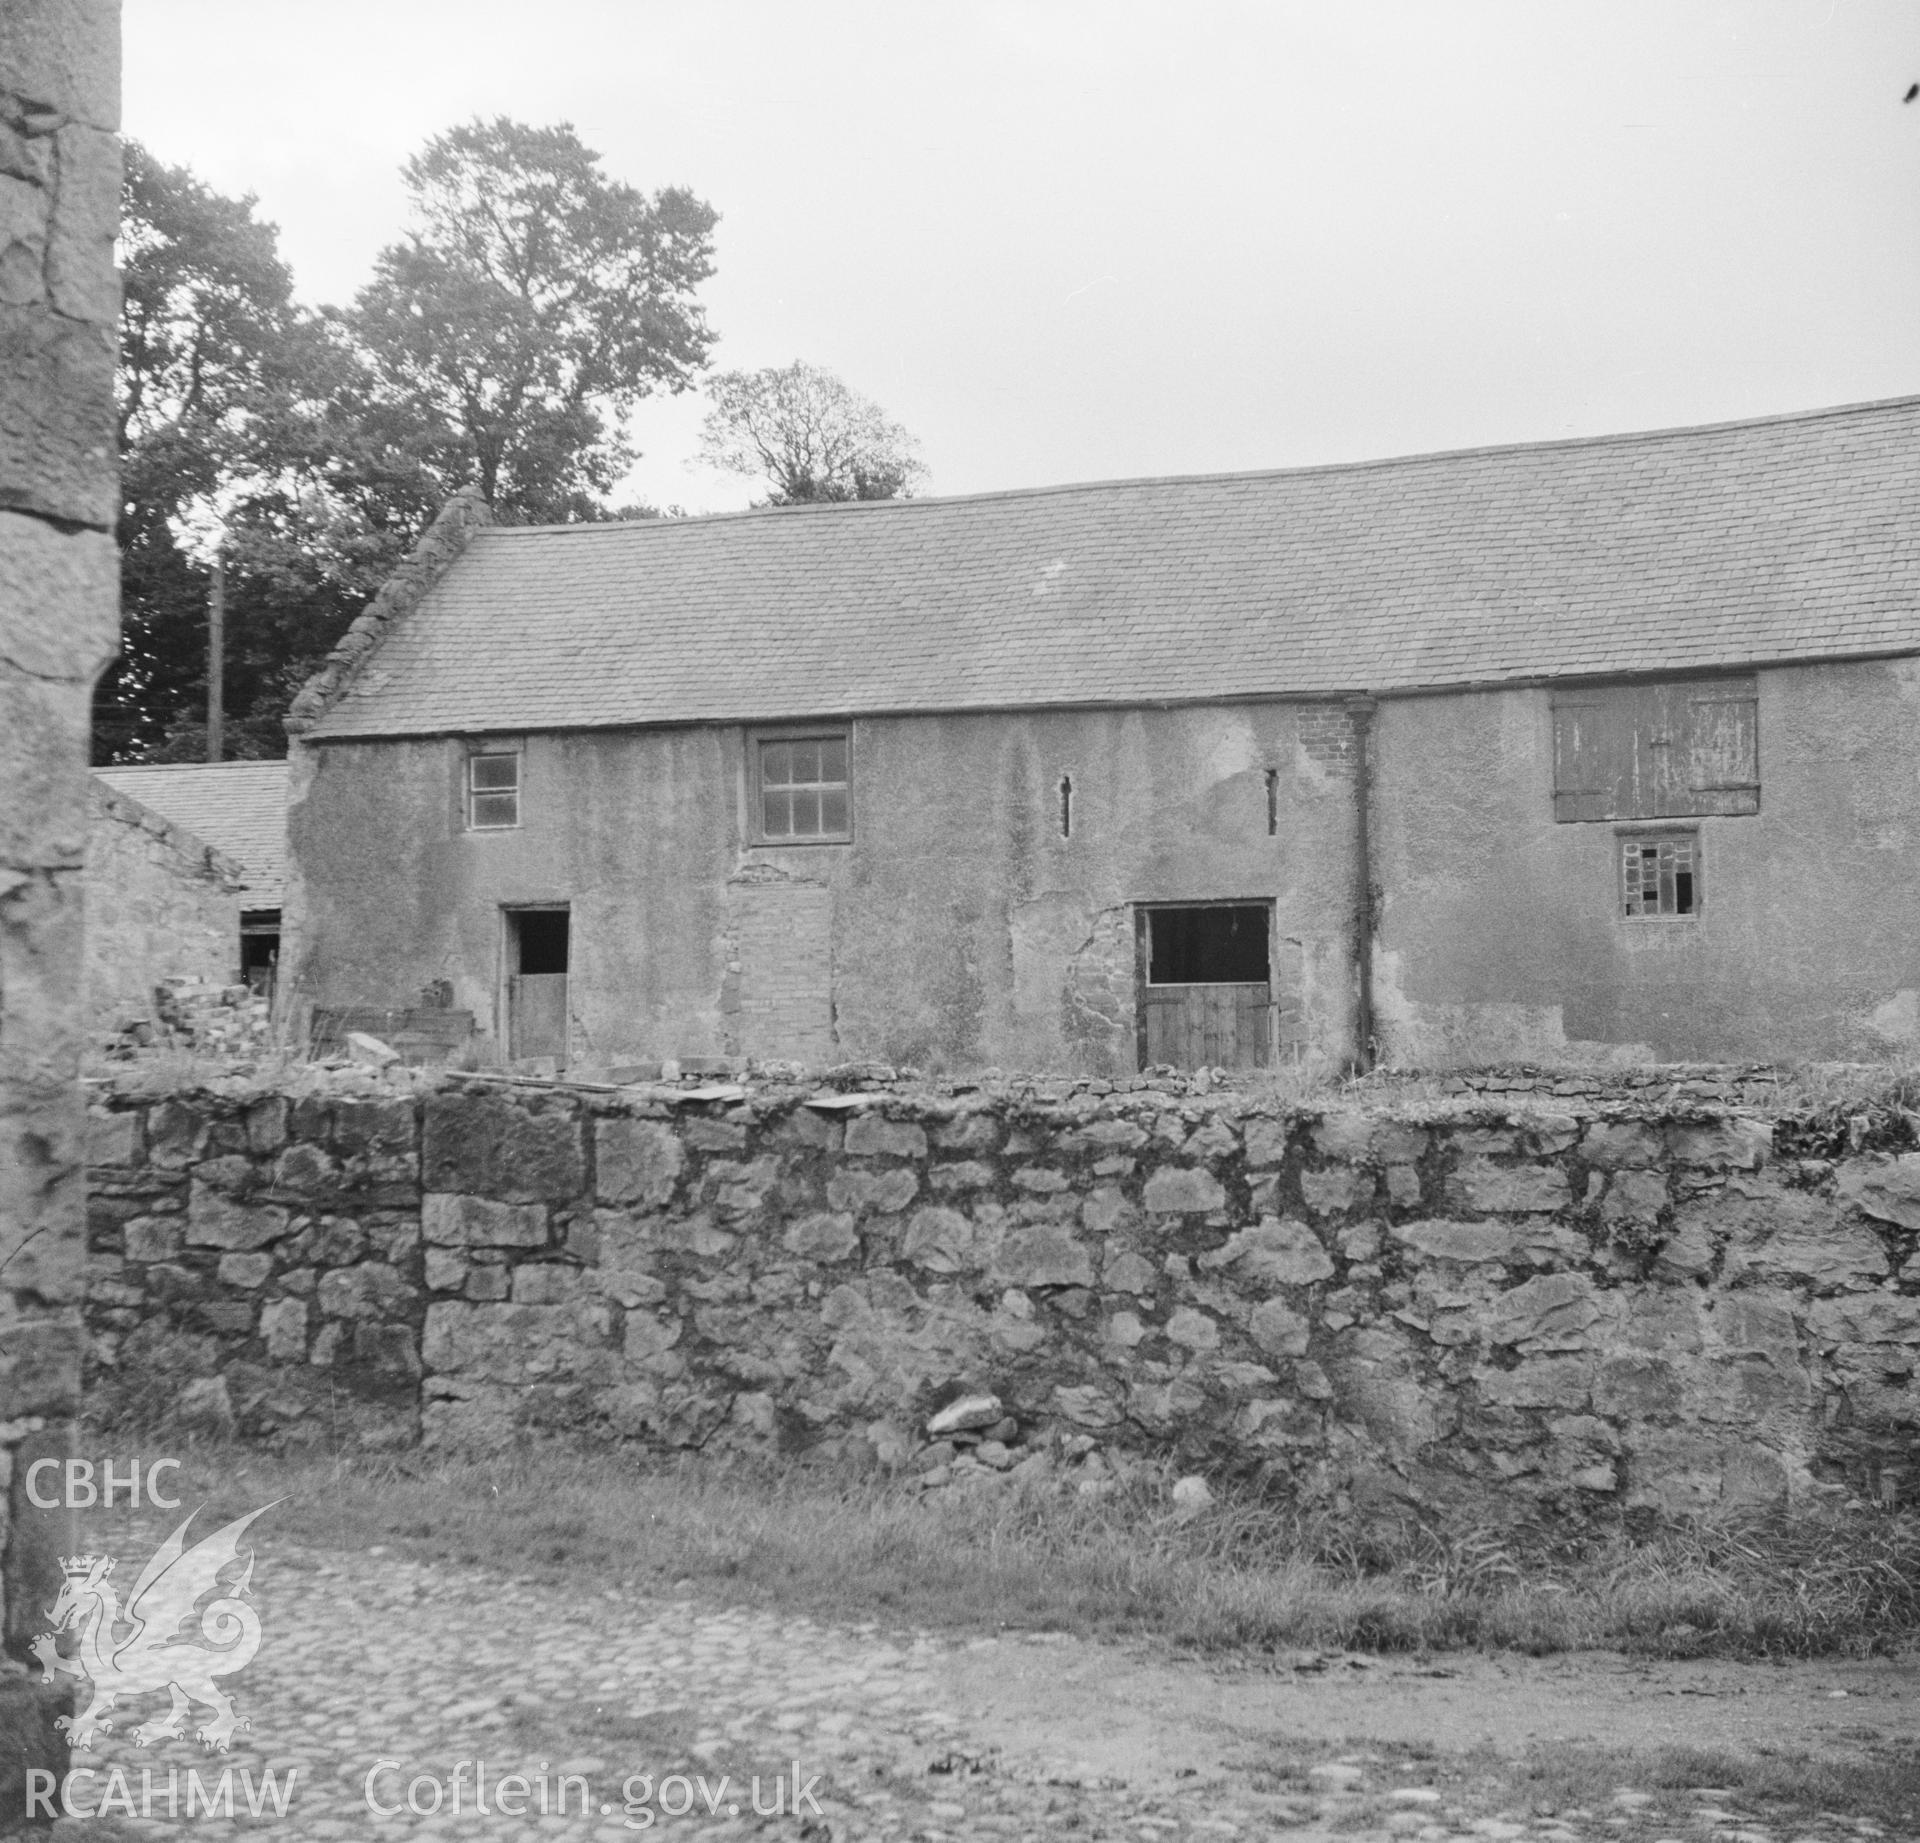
(1689,549)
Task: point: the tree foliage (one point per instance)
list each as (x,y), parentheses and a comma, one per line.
(534,303)
(503,343)
(248,420)
(799,428)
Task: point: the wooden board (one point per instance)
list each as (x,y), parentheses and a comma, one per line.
(1209,1026)
(537,1015)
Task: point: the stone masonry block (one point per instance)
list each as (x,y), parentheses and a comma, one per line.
(216,1221)
(478,1222)
(64,56)
(24,212)
(1045,1256)
(245,1271)
(484,1145)
(26,156)
(885,1191)
(1612,1144)
(823,1236)
(1733,1144)
(940,1240)
(1279,1330)
(1128,1272)
(1175,1190)
(113,1139)
(1275,1251)
(1508,1189)
(972,1132)
(636,1161)
(86,214)
(1193,1330)
(370,1290)
(283,1323)
(871,1134)
(1344,1135)
(56,417)
(152,1238)
(1554,1311)
(1634,1196)
(61,588)
(521,1343)
(1336,1190)
(1266,1142)
(1885,1188)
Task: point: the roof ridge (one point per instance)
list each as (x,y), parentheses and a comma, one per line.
(224,868)
(1421,458)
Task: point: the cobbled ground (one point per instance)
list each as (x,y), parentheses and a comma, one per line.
(379,1675)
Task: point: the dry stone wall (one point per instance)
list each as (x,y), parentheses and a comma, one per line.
(1463,1313)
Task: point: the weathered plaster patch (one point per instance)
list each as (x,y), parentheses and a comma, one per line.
(1420,1033)
(1898,1019)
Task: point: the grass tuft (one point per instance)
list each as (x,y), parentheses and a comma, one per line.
(1249,1574)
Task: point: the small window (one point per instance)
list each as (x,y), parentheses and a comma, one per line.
(493,790)
(804,792)
(1660,876)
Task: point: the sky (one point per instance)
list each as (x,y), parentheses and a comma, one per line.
(1094,239)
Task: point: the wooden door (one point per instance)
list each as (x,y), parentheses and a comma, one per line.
(1209,1026)
(537,1015)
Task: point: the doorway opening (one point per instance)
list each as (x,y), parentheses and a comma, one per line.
(539,944)
(1205,986)
(259,950)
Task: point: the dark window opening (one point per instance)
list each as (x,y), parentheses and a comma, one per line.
(1217,945)
(539,940)
(1066,806)
(1273,802)
(259,949)
(1660,876)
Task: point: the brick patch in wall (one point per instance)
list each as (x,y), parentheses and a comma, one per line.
(783,943)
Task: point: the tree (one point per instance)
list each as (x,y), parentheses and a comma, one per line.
(810,437)
(532,306)
(205,302)
(242,418)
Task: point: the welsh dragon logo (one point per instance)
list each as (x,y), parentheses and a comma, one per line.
(131,1649)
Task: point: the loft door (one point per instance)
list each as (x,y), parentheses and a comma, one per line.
(537,948)
(1206,991)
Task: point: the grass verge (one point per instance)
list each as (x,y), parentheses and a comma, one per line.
(1246,1575)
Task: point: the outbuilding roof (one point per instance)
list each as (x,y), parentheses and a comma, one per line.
(239,808)
(1793,538)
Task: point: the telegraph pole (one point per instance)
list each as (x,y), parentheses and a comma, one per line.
(216,658)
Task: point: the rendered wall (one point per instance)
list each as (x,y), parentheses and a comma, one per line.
(959,930)
(1500,934)
(160,905)
(1471,1313)
(59,206)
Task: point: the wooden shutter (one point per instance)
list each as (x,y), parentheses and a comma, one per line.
(1656,751)
(1723,747)
(1592,755)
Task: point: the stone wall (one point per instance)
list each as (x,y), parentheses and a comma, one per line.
(161,904)
(59,208)
(1470,1313)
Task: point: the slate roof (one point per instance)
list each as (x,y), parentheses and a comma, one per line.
(1736,545)
(239,808)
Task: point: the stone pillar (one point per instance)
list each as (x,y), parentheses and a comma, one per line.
(59,609)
